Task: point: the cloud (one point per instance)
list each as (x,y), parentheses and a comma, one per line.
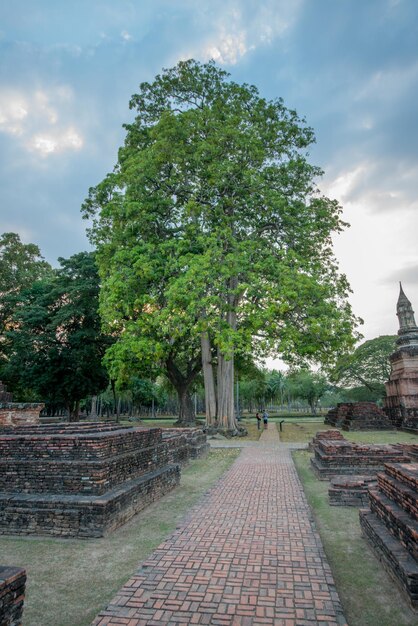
(13,111)
(407,274)
(235,28)
(228,49)
(49,143)
(34,118)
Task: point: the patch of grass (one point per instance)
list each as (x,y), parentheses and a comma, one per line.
(383,436)
(301,432)
(368,594)
(70,581)
(250,424)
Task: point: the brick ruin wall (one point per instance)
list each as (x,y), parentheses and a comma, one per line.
(15,413)
(12,595)
(390,524)
(350,490)
(80,480)
(358,416)
(333,435)
(401,402)
(184,444)
(334,457)
(86,479)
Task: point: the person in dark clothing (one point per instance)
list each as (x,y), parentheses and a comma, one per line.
(265,419)
(258,418)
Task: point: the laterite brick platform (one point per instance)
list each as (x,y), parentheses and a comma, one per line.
(184,444)
(333,435)
(17,413)
(391,525)
(80,480)
(12,595)
(358,416)
(335,457)
(350,490)
(247,555)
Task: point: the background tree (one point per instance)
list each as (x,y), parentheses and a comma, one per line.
(20,266)
(210,228)
(309,386)
(368,365)
(56,345)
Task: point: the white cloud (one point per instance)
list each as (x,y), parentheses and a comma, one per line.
(50,143)
(228,49)
(13,111)
(40,120)
(125,35)
(235,31)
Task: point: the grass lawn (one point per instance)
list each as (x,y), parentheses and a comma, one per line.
(368,595)
(303,431)
(70,581)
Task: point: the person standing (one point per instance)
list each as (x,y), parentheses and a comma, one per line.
(258,418)
(265,419)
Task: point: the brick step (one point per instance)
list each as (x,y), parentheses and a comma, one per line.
(399,493)
(395,558)
(350,490)
(83,516)
(325,472)
(404,473)
(398,522)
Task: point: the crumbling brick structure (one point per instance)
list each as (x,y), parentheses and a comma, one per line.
(358,416)
(333,435)
(15,413)
(350,490)
(401,403)
(391,524)
(12,595)
(341,457)
(184,444)
(80,480)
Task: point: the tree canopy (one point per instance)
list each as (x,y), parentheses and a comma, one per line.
(368,365)
(213,239)
(20,265)
(56,347)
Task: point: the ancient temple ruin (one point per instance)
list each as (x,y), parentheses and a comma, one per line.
(390,523)
(86,479)
(17,413)
(401,403)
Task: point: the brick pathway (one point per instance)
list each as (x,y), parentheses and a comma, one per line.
(247,555)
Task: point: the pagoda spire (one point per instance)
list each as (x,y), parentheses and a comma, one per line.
(404,311)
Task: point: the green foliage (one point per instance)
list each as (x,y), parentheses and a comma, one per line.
(363,394)
(212,212)
(20,266)
(56,346)
(309,386)
(368,365)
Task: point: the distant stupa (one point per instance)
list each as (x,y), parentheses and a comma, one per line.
(401,403)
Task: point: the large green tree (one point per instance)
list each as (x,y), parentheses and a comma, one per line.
(212,238)
(368,365)
(309,386)
(21,264)
(56,345)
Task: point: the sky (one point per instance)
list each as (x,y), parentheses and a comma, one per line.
(349,67)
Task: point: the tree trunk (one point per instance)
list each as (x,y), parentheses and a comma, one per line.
(208,378)
(93,413)
(226,412)
(182,384)
(187,415)
(73,409)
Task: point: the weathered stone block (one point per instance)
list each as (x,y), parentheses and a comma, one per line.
(12,595)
